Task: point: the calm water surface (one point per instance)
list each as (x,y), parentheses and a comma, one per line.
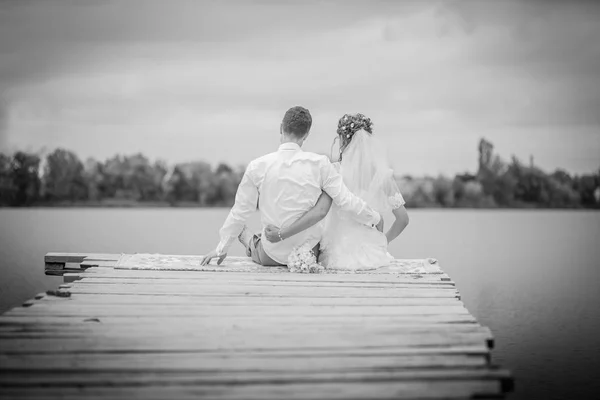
(533,277)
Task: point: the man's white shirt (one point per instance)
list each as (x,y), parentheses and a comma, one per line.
(284,185)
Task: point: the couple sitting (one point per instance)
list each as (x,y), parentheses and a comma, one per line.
(294,191)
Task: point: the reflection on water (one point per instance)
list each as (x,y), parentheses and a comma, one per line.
(531,276)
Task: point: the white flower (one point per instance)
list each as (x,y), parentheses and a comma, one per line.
(303,260)
(352,125)
(344,127)
(396,201)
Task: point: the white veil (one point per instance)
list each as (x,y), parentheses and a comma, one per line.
(367,172)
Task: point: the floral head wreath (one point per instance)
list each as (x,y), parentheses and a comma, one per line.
(349,124)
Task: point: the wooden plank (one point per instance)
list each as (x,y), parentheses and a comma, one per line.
(125,299)
(286,303)
(198,274)
(410,338)
(377,390)
(226,362)
(236,340)
(58,269)
(288,279)
(74,309)
(462,322)
(61,272)
(69,277)
(311,319)
(418,325)
(87,263)
(53,266)
(177,326)
(246,377)
(174,330)
(475,350)
(214,282)
(93,273)
(191,290)
(253,332)
(79,257)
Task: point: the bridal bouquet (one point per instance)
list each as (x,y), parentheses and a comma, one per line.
(302,260)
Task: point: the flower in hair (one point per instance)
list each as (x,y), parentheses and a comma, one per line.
(349,124)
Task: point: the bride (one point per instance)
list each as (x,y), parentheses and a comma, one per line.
(363,164)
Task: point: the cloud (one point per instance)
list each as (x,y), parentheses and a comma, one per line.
(550,51)
(3,125)
(191,79)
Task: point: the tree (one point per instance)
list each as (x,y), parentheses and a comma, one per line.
(500,187)
(192,182)
(585,185)
(562,177)
(495,176)
(418,192)
(443,191)
(469,193)
(25,173)
(92,172)
(7,188)
(144,178)
(64,177)
(536,188)
(227,182)
(223,168)
(132,177)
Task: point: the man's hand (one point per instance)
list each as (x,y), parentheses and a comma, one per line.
(379,226)
(272,233)
(211,255)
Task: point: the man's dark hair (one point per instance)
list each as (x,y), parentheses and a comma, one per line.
(297,121)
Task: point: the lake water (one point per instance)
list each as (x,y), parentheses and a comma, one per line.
(533,277)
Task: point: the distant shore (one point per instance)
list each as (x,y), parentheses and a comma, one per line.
(61,180)
(125,203)
(188,204)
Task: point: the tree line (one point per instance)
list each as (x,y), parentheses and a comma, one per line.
(61,179)
(501,184)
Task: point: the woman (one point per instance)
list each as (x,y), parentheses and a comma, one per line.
(363,164)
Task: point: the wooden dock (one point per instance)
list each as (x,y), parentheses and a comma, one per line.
(162,327)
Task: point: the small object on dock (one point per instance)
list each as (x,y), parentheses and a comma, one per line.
(59,293)
(155,326)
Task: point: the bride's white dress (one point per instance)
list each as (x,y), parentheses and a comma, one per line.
(347,244)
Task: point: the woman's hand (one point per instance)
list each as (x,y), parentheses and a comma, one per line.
(272,233)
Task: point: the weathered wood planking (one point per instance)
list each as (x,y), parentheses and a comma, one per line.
(62,263)
(241,331)
(389,389)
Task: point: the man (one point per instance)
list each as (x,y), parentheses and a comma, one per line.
(286,184)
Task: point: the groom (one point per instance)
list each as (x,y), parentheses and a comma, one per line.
(286,184)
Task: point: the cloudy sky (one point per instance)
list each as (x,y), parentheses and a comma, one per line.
(211,80)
